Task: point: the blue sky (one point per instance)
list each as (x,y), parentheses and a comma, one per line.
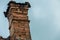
(44,18)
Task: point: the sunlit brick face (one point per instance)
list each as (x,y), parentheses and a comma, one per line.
(17,15)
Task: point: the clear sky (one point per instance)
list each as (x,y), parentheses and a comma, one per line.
(44,18)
